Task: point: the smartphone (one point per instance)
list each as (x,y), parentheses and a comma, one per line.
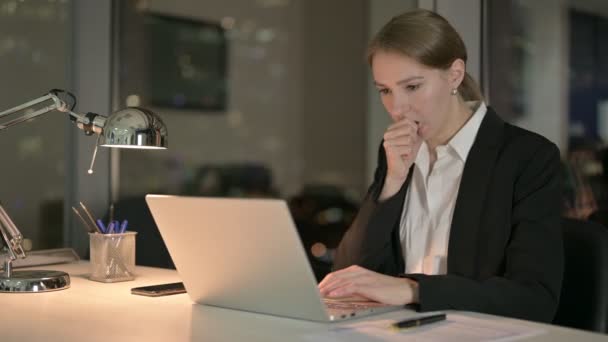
(159,290)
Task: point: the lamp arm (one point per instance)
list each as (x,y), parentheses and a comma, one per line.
(11,235)
(90,123)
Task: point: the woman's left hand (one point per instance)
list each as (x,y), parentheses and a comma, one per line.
(361,282)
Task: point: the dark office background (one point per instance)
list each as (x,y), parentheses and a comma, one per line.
(284,105)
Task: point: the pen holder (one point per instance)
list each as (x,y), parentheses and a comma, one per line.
(112,256)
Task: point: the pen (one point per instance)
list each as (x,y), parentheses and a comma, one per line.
(101,226)
(418,321)
(110,228)
(123,226)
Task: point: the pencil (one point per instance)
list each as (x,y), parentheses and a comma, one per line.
(86,211)
(84,222)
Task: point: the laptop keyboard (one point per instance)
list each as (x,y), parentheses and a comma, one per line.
(343,309)
(350,306)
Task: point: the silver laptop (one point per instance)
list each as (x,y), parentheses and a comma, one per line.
(245,254)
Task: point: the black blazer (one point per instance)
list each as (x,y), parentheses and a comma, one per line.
(505,252)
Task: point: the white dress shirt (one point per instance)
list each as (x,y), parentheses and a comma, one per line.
(429,203)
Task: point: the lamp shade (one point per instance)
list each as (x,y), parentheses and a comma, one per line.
(134,127)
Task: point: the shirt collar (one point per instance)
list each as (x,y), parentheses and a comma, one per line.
(422,159)
(462,142)
(464,139)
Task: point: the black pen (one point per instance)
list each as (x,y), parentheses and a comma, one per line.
(418,321)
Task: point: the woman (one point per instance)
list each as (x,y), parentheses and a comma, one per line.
(464,209)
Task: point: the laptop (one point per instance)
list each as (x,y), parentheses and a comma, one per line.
(246,254)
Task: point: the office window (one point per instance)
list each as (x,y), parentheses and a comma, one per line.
(192,73)
(35,52)
(294,124)
(547,73)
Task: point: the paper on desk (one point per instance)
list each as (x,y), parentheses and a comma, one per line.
(44,257)
(455,328)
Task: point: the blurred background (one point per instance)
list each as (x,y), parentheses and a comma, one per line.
(271,98)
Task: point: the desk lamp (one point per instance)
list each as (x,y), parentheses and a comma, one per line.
(127,128)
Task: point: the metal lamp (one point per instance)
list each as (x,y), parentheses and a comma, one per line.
(134,128)
(131,127)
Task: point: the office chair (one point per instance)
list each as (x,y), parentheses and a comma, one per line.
(600,216)
(584,296)
(322,214)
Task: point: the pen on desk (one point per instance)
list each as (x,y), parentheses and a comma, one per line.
(418,321)
(84,222)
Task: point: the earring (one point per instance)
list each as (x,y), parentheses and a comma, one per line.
(454,91)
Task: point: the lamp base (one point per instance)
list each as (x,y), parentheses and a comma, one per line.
(34,281)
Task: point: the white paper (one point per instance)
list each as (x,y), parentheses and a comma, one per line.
(455,328)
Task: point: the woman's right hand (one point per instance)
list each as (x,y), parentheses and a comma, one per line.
(401,145)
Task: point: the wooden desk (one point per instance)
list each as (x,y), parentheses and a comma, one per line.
(92,311)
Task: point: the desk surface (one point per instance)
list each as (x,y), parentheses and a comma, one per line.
(92,311)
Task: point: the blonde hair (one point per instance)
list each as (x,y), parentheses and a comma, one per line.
(429,39)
